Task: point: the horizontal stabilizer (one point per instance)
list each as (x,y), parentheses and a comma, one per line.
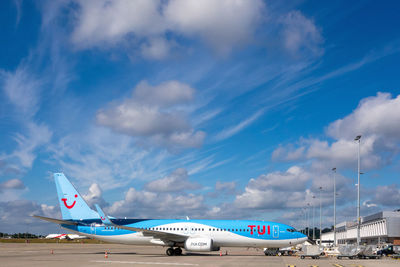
(55,220)
(104,218)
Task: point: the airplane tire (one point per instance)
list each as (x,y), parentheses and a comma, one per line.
(170,252)
(302,257)
(178,251)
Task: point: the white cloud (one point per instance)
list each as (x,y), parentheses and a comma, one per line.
(160,205)
(368,204)
(12,184)
(376,118)
(225,186)
(95,196)
(12,190)
(261,192)
(387,195)
(16,217)
(301,36)
(145,24)
(166,94)
(177,181)
(100,22)
(295,187)
(288,153)
(156,48)
(156,113)
(221,24)
(376,115)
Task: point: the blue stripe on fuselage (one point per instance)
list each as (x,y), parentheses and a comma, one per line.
(277,231)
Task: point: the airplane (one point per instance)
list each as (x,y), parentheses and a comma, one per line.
(66,236)
(192,235)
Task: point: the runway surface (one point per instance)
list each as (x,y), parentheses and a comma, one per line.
(75,254)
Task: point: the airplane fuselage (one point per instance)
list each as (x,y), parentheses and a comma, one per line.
(223,233)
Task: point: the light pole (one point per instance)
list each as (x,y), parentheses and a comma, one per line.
(313,216)
(308,221)
(305,220)
(358,140)
(334,206)
(320,216)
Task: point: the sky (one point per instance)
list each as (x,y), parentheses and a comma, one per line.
(208,109)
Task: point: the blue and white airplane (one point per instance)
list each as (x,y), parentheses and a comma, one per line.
(192,235)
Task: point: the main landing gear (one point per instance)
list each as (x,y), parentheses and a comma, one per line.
(174,251)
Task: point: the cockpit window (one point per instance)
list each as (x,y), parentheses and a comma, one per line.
(291,230)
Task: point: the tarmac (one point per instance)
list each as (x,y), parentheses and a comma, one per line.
(76,254)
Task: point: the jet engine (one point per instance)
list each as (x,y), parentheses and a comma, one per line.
(200,244)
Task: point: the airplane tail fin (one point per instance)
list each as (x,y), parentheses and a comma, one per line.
(73,206)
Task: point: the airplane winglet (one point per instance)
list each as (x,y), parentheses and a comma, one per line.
(103,216)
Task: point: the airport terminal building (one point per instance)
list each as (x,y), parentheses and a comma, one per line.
(378,228)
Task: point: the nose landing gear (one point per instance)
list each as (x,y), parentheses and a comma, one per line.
(174,251)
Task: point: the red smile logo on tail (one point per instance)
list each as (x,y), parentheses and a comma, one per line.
(69,206)
(102,218)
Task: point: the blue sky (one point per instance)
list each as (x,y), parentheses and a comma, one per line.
(210,109)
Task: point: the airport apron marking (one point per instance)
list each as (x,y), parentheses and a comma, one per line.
(148,263)
(337,265)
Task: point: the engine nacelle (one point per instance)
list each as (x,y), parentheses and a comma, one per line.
(199,244)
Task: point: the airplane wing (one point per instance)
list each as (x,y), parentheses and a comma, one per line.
(156,234)
(55,220)
(164,236)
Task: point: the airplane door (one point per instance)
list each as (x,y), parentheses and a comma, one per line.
(93,228)
(275,231)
